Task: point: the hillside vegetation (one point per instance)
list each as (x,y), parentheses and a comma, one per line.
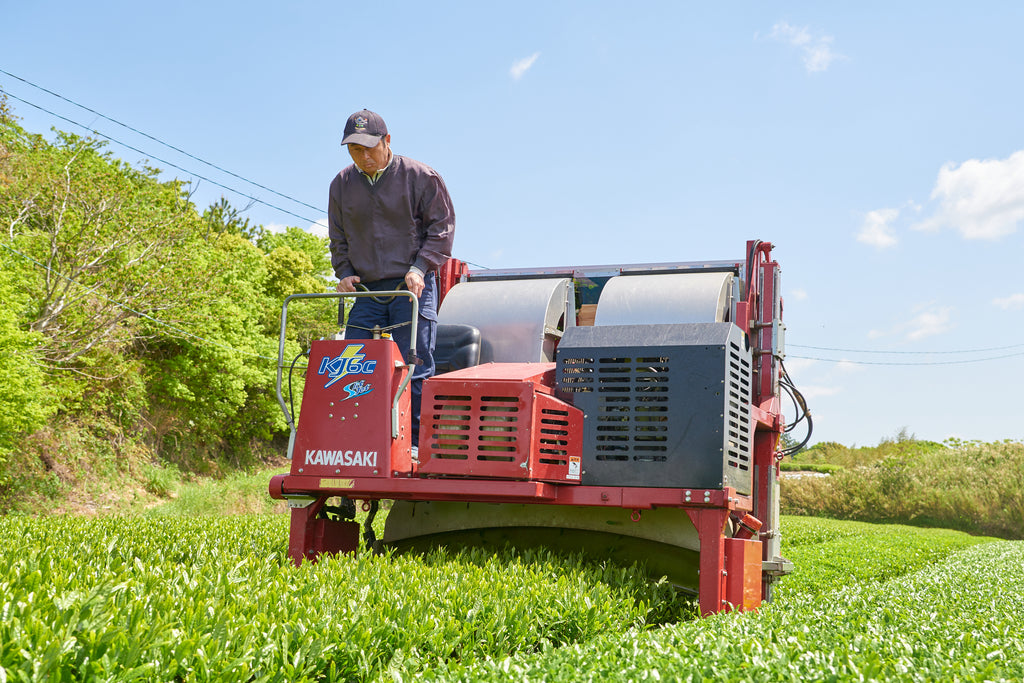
(138,334)
(966,485)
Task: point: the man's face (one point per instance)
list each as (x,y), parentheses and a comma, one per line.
(369,160)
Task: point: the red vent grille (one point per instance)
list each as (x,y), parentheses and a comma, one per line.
(504,428)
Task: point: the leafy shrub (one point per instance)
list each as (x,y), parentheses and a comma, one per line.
(971,486)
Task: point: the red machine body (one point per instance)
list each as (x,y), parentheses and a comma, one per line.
(502,432)
(345,427)
(502,421)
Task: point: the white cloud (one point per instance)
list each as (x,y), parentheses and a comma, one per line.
(818,390)
(848,367)
(927,321)
(877,228)
(1014,302)
(797,294)
(319,228)
(981,199)
(275,228)
(799,365)
(816,49)
(523,65)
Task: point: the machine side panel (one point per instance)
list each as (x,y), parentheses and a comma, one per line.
(499,420)
(664,405)
(345,423)
(743,571)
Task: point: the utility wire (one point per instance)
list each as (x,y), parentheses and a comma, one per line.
(162,161)
(921,353)
(170,146)
(941,362)
(161,142)
(250,353)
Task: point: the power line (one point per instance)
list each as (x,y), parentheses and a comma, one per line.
(161,142)
(940,362)
(162,161)
(249,353)
(920,353)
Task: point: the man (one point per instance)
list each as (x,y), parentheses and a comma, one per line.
(391,223)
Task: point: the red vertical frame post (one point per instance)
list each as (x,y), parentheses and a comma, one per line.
(767,383)
(300,532)
(710,525)
(449,275)
(764,307)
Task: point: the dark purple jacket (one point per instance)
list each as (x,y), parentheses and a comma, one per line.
(378,231)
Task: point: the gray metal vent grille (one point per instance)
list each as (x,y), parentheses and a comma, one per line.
(738,445)
(664,405)
(633,408)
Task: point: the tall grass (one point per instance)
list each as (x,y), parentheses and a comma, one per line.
(236,493)
(965,485)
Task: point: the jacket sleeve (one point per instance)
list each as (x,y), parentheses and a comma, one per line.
(336,233)
(438,225)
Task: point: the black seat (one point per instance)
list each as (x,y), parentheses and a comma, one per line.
(456,347)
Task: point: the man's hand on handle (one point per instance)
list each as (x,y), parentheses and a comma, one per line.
(348,284)
(414,281)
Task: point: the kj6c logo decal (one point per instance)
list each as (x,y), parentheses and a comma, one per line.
(350,362)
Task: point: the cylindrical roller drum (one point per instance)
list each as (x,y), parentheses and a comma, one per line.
(668,298)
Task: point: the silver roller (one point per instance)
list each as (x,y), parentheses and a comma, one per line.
(669,298)
(518,319)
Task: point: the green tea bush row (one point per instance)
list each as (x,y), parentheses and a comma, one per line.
(827,553)
(819,467)
(216,599)
(957,619)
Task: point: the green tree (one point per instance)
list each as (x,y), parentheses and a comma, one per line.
(24,403)
(222,217)
(131,323)
(103,237)
(295,265)
(314,247)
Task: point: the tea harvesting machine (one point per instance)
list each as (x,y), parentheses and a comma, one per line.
(629,411)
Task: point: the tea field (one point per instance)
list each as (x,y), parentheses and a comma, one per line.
(216,599)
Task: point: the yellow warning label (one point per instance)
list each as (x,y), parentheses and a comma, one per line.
(337,483)
(575,463)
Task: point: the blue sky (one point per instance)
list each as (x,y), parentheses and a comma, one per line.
(878,145)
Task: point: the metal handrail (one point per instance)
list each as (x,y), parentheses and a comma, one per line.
(289,418)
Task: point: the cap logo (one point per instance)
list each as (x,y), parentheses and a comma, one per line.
(361,122)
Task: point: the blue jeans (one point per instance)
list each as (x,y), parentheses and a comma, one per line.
(366,313)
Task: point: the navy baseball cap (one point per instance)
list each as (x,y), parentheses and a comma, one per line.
(364,128)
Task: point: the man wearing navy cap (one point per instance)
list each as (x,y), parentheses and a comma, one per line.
(390,222)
